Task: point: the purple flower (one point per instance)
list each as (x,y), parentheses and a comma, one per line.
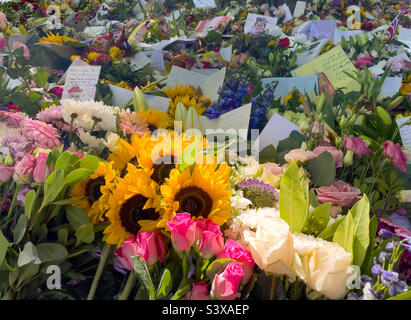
(397,287)
(119,267)
(383,256)
(376,268)
(21,197)
(259,193)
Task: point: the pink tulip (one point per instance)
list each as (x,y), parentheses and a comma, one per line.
(356,145)
(5,173)
(394,152)
(233,250)
(23,171)
(210,238)
(183,231)
(150,246)
(199,291)
(39,173)
(226,284)
(335,153)
(339,194)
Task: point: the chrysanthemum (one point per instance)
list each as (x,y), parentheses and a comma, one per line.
(50,114)
(155,119)
(204,193)
(131,123)
(12,119)
(134,206)
(93,193)
(43,134)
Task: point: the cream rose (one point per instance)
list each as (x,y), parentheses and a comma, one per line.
(272,246)
(325,263)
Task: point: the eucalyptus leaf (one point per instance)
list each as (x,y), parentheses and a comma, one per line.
(28,255)
(51,251)
(29,203)
(76,217)
(20,229)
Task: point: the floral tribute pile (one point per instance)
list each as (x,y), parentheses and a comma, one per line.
(127,195)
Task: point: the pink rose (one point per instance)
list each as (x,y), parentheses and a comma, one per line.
(300,155)
(150,246)
(316,128)
(210,238)
(199,291)
(183,231)
(272,168)
(5,173)
(26,53)
(3,21)
(39,172)
(356,145)
(23,172)
(339,194)
(233,250)
(336,154)
(226,284)
(394,152)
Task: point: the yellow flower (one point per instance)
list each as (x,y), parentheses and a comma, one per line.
(56,38)
(92,55)
(74,58)
(244,14)
(406,89)
(290,95)
(22,29)
(92,194)
(134,206)
(155,119)
(271,43)
(204,193)
(115,54)
(124,84)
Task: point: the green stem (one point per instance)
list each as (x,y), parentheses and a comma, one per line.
(273,280)
(185,264)
(103,259)
(13,201)
(131,280)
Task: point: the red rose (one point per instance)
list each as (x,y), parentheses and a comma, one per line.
(284,42)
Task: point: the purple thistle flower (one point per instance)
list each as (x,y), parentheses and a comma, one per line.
(261,194)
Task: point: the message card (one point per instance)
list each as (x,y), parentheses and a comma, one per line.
(277,129)
(203,4)
(333,64)
(285,85)
(204,26)
(81,82)
(391,86)
(257,24)
(405,132)
(208,84)
(299,8)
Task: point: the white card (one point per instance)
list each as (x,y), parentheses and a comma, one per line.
(157,59)
(391,86)
(81,82)
(140,60)
(226,53)
(299,8)
(202,4)
(405,37)
(312,51)
(237,119)
(288,16)
(208,84)
(277,129)
(257,24)
(405,132)
(339,34)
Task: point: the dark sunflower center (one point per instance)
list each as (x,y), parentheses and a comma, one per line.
(152,127)
(93,192)
(124,171)
(163,168)
(132,211)
(195,201)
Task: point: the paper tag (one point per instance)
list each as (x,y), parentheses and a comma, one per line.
(299,8)
(278,128)
(391,86)
(405,132)
(286,85)
(226,53)
(157,59)
(259,24)
(81,82)
(202,4)
(208,84)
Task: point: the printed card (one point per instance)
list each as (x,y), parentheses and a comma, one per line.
(257,24)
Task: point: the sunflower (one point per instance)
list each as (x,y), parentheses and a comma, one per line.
(156,119)
(115,53)
(92,55)
(188,96)
(56,38)
(92,194)
(134,206)
(204,193)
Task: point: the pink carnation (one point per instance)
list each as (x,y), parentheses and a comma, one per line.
(339,194)
(356,145)
(12,119)
(394,152)
(364,61)
(43,134)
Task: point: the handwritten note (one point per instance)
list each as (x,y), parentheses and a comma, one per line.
(278,128)
(333,63)
(81,82)
(299,8)
(285,85)
(405,132)
(208,84)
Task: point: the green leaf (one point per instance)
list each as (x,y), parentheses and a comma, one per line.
(141,270)
(76,217)
(368,263)
(53,186)
(322,169)
(29,203)
(85,233)
(402,296)
(268,154)
(52,158)
(62,236)
(4,244)
(51,251)
(20,229)
(27,272)
(63,162)
(166,284)
(318,219)
(34,97)
(184,288)
(77,176)
(89,162)
(344,235)
(28,255)
(189,156)
(41,77)
(361,217)
(292,199)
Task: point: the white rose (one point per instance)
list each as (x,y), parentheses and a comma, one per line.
(325,264)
